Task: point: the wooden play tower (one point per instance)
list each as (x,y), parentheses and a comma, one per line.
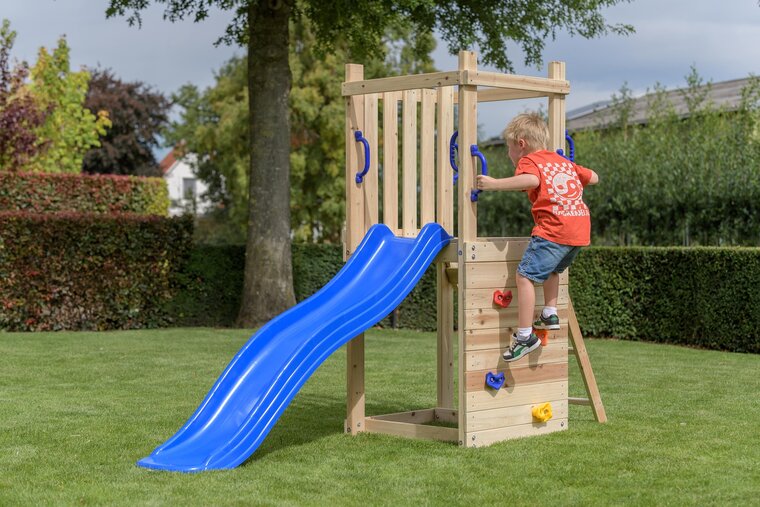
(418,114)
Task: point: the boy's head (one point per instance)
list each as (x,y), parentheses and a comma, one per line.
(525,134)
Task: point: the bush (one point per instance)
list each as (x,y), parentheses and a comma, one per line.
(79,271)
(212,282)
(53,193)
(702,297)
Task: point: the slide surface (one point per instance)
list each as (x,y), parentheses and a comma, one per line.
(264,376)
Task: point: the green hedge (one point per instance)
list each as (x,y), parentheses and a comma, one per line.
(212,284)
(79,271)
(52,193)
(703,297)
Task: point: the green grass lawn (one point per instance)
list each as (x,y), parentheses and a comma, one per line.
(78,409)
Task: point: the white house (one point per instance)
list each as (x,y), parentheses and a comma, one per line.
(186,190)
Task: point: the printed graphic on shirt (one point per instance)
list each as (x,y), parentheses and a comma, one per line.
(565,189)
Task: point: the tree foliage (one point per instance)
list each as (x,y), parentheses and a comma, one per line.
(20,114)
(214,125)
(70,129)
(137,113)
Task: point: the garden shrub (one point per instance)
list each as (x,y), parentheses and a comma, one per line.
(52,193)
(84,271)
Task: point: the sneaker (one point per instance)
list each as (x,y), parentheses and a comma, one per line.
(547,323)
(519,348)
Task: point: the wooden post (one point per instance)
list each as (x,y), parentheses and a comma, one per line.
(355,229)
(557,110)
(584,363)
(445,217)
(468,223)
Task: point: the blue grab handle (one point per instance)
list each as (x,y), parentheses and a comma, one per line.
(484,169)
(495,381)
(453,150)
(360,139)
(571,145)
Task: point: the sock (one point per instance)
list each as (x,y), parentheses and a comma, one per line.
(549,311)
(523,333)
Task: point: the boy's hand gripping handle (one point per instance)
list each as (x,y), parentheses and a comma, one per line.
(484,169)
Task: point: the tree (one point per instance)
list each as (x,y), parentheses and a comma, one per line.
(137,114)
(20,114)
(213,124)
(263,25)
(70,129)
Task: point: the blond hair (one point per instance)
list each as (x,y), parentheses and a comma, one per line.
(531,128)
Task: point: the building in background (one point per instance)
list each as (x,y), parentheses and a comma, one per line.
(186,190)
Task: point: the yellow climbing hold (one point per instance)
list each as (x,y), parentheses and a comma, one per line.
(542,412)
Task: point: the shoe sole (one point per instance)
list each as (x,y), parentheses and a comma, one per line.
(550,327)
(530,349)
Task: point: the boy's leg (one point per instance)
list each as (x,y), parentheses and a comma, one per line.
(526,301)
(548,318)
(524,340)
(551,290)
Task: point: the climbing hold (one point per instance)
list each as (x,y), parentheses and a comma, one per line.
(542,412)
(495,380)
(502,298)
(543,335)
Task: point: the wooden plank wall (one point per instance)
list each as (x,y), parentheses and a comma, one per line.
(491,416)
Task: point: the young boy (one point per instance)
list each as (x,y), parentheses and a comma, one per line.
(562,222)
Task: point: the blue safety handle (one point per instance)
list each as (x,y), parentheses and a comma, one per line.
(484,169)
(571,146)
(453,149)
(360,139)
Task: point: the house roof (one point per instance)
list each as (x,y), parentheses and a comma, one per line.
(168,162)
(726,95)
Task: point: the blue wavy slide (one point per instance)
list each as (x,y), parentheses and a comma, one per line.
(264,376)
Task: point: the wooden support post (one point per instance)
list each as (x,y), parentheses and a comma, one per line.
(584,363)
(557,110)
(356,227)
(445,217)
(468,223)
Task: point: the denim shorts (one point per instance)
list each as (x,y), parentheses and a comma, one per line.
(544,257)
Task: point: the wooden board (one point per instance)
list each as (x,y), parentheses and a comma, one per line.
(484,275)
(409,430)
(496,249)
(489,437)
(518,375)
(486,318)
(491,359)
(483,298)
(512,416)
(515,396)
(409,164)
(400,83)
(500,338)
(427,157)
(553,85)
(390,159)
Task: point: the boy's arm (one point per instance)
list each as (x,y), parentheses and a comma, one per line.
(517,183)
(594,178)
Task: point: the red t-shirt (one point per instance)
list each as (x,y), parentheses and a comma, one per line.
(558,209)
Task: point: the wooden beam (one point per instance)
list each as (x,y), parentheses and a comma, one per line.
(410,430)
(585,365)
(553,85)
(409,164)
(401,83)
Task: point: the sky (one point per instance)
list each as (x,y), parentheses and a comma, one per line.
(718,37)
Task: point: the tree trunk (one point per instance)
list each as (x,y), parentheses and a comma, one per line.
(268,283)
